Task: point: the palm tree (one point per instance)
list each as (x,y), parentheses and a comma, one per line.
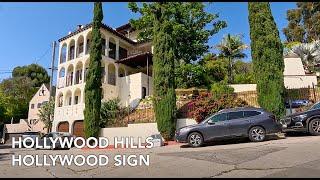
(231,47)
(309,54)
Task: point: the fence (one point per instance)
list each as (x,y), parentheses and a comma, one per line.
(145,114)
(125,116)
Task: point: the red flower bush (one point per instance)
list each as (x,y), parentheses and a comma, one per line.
(206,104)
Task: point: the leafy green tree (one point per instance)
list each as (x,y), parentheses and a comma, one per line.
(243,73)
(267,51)
(93,90)
(46,114)
(304,22)
(190,75)
(309,54)
(216,70)
(189,22)
(17,93)
(35,72)
(231,48)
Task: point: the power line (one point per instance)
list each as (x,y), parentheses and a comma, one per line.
(46,52)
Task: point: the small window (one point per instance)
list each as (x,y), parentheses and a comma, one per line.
(76,99)
(235,115)
(32,106)
(251,113)
(69,101)
(39,105)
(219,117)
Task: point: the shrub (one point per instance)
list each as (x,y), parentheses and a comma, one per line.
(207,104)
(109,112)
(220,89)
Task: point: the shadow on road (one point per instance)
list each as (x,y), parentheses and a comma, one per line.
(297,134)
(5,156)
(234,141)
(5,146)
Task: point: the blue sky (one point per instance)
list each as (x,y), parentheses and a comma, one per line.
(28,29)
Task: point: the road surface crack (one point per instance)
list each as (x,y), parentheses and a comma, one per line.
(249,169)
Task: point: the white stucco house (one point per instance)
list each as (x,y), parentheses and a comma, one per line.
(33,123)
(294,76)
(126,67)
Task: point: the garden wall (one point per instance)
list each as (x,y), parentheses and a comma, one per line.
(142,130)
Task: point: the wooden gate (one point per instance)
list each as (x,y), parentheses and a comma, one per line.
(78,129)
(63,127)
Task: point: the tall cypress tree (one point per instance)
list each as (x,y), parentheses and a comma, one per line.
(163,76)
(268,64)
(93,79)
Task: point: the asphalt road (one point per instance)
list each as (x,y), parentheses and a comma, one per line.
(293,156)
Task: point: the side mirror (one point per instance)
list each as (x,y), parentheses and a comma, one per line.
(211,123)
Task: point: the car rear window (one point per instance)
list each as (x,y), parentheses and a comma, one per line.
(251,113)
(235,115)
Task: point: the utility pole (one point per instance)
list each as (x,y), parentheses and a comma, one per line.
(52,66)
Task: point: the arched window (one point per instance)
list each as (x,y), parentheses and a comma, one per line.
(60,100)
(69,78)
(71,49)
(63,53)
(62,73)
(80,48)
(88,43)
(111,74)
(77,96)
(61,81)
(68,99)
(78,73)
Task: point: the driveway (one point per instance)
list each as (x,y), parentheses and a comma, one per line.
(294,156)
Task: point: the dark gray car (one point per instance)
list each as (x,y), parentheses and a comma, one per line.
(254,123)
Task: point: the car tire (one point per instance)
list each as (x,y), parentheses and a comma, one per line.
(314,127)
(257,134)
(195,139)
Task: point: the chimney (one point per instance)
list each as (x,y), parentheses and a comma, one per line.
(79,26)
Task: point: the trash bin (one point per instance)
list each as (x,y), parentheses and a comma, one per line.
(157,140)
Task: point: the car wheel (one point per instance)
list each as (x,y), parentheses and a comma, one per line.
(195,139)
(257,134)
(314,127)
